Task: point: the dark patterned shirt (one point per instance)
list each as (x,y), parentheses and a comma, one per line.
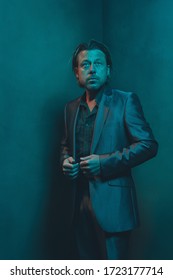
(85,127)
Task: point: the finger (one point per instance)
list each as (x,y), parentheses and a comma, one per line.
(85,158)
(76,165)
(83,163)
(85,168)
(70,171)
(67,165)
(71,166)
(71,160)
(74,174)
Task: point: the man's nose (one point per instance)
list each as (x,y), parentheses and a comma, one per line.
(92,68)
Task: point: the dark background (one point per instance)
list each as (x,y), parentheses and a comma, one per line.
(37,39)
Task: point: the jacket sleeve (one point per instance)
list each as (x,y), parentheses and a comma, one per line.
(64,147)
(142,146)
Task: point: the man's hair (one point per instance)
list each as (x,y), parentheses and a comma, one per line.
(92,45)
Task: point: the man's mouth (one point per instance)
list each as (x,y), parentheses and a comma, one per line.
(92,79)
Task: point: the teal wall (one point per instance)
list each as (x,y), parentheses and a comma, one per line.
(36,43)
(139,34)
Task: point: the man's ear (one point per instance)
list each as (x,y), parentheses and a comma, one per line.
(108,71)
(76,73)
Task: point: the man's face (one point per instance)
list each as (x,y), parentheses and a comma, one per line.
(92,70)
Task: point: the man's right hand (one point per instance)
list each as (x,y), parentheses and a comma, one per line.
(70,169)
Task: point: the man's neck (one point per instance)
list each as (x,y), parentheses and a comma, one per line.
(91,95)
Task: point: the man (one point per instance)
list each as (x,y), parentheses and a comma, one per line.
(105,135)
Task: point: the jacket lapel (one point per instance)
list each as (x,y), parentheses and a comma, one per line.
(73,117)
(102,114)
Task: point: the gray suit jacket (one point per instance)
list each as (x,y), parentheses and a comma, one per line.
(123,139)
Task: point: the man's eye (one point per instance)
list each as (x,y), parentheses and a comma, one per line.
(85,65)
(98,62)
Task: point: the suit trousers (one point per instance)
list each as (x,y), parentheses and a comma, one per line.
(92,242)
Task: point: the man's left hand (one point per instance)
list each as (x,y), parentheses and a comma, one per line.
(90,165)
